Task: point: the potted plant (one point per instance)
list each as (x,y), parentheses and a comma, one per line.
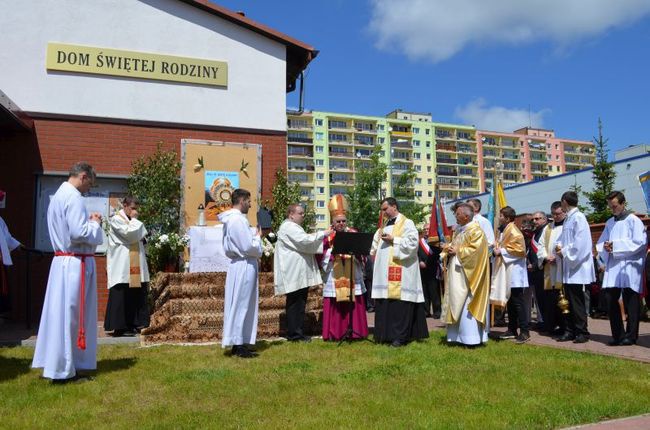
(165,250)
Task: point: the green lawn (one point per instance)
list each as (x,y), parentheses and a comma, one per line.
(320,385)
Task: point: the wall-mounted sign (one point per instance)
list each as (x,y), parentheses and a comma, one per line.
(219,186)
(132,64)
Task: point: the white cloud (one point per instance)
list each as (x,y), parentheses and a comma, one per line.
(497,118)
(436,30)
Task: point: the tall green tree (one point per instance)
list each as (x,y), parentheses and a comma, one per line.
(155,182)
(604,176)
(365,196)
(286,193)
(404,193)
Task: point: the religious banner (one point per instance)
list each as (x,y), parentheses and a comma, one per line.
(644,180)
(219,186)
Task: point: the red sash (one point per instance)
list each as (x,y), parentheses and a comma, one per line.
(425,246)
(81,335)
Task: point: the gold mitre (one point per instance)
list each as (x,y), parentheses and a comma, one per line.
(338,205)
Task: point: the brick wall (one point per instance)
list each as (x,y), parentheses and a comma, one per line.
(111,148)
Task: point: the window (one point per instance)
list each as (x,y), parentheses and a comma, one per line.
(319,135)
(429,169)
(428,143)
(428,156)
(320,162)
(380,127)
(430,194)
(418,194)
(416,143)
(337,124)
(320,176)
(557,158)
(427,131)
(318,122)
(319,148)
(321,190)
(320,217)
(416,130)
(429,181)
(416,155)
(320,203)
(418,181)
(381,139)
(557,146)
(417,168)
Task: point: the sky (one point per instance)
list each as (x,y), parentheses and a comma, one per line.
(498,64)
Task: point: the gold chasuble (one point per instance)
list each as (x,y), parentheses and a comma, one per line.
(395,266)
(512,240)
(472,254)
(135,280)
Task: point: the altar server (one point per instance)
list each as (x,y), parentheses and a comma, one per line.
(622,246)
(67,335)
(574,247)
(243,246)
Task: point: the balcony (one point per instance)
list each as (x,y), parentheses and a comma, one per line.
(340,142)
(450,148)
(448,186)
(363,143)
(300,167)
(447,173)
(298,152)
(464,135)
(398,144)
(341,154)
(292,139)
(444,135)
(299,125)
(441,160)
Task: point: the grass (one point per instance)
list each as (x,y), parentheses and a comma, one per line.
(320,385)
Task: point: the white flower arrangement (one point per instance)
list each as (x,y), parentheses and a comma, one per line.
(174,243)
(267,247)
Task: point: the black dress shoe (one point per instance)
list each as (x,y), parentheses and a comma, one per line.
(581,339)
(397,344)
(76,379)
(242,352)
(566,337)
(305,339)
(627,342)
(614,342)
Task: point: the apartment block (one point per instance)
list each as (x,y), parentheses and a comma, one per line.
(529,154)
(324,150)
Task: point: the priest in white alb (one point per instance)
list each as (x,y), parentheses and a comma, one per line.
(622,246)
(244,248)
(467,281)
(67,334)
(127,311)
(400,316)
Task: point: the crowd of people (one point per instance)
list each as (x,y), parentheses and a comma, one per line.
(469,281)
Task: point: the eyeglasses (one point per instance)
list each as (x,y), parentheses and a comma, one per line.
(341,221)
(537,218)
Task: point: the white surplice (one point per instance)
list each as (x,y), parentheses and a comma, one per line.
(294,265)
(624,266)
(123,233)
(240,307)
(7,243)
(70,231)
(487,228)
(516,271)
(405,249)
(576,244)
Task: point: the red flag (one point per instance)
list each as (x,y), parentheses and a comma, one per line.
(433,220)
(446,231)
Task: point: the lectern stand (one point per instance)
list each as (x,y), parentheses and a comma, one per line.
(354,244)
